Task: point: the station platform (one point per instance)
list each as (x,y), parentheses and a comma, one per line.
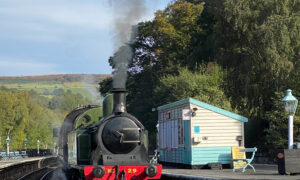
(15,168)
(263,171)
(12,162)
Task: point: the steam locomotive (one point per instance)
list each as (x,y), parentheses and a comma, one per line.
(106,143)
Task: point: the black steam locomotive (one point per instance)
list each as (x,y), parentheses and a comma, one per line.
(106,143)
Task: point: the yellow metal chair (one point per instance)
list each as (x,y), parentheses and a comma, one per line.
(239,158)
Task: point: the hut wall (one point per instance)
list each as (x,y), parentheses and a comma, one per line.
(217,134)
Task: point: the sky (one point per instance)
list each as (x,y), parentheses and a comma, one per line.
(39,37)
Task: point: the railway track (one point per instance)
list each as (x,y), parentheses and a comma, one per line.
(45,173)
(48,175)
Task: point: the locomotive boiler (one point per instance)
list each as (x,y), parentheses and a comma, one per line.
(106,143)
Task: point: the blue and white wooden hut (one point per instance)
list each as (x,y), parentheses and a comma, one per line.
(193,133)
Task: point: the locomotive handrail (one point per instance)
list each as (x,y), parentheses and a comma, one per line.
(131,129)
(154,159)
(122,136)
(131,141)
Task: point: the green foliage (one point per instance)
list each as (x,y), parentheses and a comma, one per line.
(258,42)
(65,102)
(50,89)
(205,85)
(257,45)
(49,79)
(277,132)
(166,42)
(31,106)
(26,114)
(105,86)
(21,117)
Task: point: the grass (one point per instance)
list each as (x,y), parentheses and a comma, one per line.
(42,88)
(46,84)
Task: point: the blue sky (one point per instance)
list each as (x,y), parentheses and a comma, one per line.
(58,36)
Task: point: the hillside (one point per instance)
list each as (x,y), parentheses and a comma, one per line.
(59,78)
(49,85)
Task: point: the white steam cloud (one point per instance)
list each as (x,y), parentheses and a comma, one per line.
(88,82)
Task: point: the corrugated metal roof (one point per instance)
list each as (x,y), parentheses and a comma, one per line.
(206,106)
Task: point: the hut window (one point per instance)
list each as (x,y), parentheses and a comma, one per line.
(174,133)
(169,134)
(180,131)
(168,115)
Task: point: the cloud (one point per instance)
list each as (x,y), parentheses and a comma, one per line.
(13,66)
(67,13)
(51,21)
(74,34)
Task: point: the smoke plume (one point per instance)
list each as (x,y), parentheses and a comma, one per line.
(127,13)
(88,82)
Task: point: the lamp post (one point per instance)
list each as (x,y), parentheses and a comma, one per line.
(54,145)
(45,145)
(7,145)
(290,104)
(38,146)
(25,143)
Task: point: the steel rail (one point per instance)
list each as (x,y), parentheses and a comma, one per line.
(32,173)
(48,173)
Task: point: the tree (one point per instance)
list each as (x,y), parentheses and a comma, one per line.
(105,86)
(277,132)
(165,45)
(65,102)
(258,42)
(166,42)
(205,85)
(23,115)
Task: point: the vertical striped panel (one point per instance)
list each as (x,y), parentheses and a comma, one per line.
(174,155)
(204,155)
(180,155)
(187,143)
(162,155)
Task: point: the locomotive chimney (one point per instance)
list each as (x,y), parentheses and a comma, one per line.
(119,100)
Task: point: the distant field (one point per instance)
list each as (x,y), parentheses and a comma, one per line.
(46,85)
(48,88)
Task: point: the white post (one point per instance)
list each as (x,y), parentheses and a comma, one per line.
(291,140)
(54,148)
(7,150)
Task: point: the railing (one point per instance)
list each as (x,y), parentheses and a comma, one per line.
(24,154)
